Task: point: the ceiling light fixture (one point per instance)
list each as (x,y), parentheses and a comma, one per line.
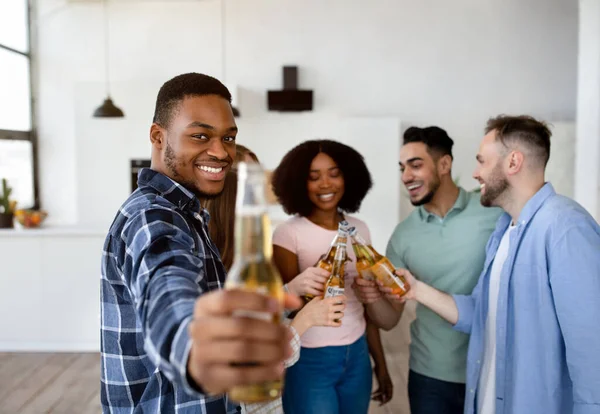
(108,109)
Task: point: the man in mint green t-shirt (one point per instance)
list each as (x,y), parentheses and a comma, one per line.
(442,242)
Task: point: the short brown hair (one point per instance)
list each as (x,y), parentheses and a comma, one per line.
(523,129)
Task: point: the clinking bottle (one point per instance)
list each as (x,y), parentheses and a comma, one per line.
(371,265)
(328,259)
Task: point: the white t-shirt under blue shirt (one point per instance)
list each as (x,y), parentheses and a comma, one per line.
(486,394)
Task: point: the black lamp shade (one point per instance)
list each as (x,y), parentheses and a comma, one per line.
(108,110)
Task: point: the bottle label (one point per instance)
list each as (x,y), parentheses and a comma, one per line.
(333,291)
(383,270)
(366,274)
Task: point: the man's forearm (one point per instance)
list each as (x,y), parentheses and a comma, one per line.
(383,314)
(441,303)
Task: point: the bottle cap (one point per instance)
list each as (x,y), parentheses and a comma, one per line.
(343,225)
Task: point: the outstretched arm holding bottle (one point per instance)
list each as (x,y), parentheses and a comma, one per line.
(456,309)
(440,302)
(386,313)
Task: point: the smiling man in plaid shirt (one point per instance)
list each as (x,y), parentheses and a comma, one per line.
(168,338)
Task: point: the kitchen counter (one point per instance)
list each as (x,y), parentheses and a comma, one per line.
(52,231)
(50,289)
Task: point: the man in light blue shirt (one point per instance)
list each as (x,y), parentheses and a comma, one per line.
(534,315)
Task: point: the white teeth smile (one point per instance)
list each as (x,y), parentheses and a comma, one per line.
(413,186)
(326,197)
(481,186)
(211,169)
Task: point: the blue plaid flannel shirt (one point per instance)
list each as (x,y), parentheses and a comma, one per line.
(157,260)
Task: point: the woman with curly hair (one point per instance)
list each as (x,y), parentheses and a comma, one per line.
(319,182)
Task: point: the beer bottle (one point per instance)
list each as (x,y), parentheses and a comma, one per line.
(326,261)
(364,261)
(374,265)
(252,269)
(335,284)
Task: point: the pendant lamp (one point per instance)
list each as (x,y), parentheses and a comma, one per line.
(108,109)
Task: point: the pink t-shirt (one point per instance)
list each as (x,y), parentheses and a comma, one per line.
(309,241)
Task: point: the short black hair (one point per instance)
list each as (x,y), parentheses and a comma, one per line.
(435,138)
(523,129)
(173,92)
(291,175)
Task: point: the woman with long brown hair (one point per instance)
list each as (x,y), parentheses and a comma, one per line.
(222,209)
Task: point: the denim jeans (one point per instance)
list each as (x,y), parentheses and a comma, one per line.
(432,396)
(330,380)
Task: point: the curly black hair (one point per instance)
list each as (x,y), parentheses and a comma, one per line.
(172,93)
(291,175)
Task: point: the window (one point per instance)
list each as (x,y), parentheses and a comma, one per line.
(18,158)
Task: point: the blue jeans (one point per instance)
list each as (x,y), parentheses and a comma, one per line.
(330,380)
(432,396)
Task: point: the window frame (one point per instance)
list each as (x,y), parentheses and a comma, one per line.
(30,135)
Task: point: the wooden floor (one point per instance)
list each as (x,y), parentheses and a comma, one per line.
(50,383)
(67,383)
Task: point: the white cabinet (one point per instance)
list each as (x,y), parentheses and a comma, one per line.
(50,290)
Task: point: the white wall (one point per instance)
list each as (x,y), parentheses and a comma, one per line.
(106,150)
(561,164)
(376,68)
(587,172)
(429,62)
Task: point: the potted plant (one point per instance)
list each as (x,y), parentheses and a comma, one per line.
(7,207)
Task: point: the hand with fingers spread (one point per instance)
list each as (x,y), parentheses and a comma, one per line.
(231,350)
(311,282)
(367,291)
